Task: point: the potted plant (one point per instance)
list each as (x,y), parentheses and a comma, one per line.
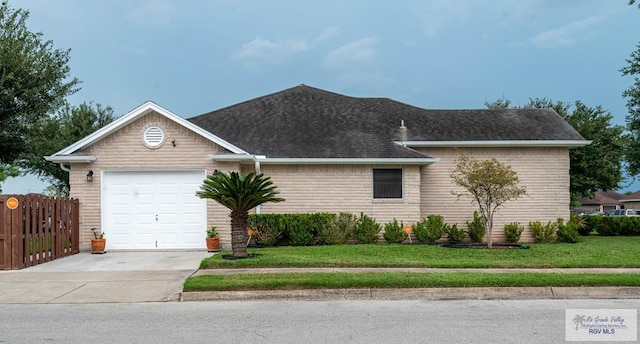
(213,241)
(98,243)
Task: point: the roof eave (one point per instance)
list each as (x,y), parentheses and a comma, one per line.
(71,158)
(232,157)
(349,161)
(498,143)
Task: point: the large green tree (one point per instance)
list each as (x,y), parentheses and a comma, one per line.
(34,81)
(54,132)
(599,165)
(632,95)
(239,193)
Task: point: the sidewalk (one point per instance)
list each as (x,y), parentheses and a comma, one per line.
(508,293)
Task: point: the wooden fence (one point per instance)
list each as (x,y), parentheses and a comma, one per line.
(35,229)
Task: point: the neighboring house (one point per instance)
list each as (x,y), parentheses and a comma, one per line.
(324,151)
(601,202)
(631,201)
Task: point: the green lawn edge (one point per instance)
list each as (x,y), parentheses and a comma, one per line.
(342,280)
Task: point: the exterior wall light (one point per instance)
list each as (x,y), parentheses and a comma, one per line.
(90,176)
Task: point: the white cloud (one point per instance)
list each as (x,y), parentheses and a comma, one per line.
(358,52)
(263,50)
(152,13)
(438,15)
(327,34)
(566,35)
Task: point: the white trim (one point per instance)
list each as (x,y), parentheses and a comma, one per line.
(232,157)
(134,115)
(502,143)
(350,161)
(71,158)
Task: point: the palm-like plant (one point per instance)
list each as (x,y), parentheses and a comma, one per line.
(240,194)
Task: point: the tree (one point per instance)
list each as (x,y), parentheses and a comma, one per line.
(33,80)
(632,94)
(7,171)
(489,184)
(55,132)
(599,165)
(239,194)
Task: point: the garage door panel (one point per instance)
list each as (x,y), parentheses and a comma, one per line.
(131,201)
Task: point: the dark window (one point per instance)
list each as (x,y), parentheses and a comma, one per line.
(387,183)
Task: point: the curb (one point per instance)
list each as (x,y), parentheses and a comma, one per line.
(506,293)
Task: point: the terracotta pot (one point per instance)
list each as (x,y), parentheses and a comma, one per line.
(97,245)
(213,244)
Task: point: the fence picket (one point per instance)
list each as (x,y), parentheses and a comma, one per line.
(40,230)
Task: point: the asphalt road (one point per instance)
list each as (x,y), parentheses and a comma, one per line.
(462,321)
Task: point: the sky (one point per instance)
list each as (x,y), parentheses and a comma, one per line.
(196,56)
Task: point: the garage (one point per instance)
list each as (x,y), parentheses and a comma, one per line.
(153,210)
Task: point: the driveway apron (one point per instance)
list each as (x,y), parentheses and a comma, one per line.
(117,276)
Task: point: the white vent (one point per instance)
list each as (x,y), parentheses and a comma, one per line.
(153,137)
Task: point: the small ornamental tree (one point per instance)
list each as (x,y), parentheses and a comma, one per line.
(489,184)
(239,193)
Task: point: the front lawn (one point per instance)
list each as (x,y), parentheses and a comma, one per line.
(590,252)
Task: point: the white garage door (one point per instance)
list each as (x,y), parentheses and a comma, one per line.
(149,210)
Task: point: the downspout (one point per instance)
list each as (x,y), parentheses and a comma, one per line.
(257,168)
(66,169)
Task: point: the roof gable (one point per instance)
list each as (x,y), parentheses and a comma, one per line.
(130,117)
(308,122)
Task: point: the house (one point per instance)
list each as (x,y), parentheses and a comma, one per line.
(631,201)
(601,202)
(326,152)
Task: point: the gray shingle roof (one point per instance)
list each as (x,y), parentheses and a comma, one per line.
(306,122)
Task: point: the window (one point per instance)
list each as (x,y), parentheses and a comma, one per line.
(387,183)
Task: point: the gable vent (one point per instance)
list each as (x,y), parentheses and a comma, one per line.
(153,137)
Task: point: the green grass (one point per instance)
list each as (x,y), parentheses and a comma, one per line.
(590,252)
(341,280)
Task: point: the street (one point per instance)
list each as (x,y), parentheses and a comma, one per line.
(462,321)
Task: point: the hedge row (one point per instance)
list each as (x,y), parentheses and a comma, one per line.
(330,229)
(610,226)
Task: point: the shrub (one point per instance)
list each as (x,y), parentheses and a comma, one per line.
(366,229)
(543,233)
(299,229)
(267,228)
(611,226)
(580,221)
(337,229)
(394,233)
(430,229)
(512,231)
(455,234)
(476,228)
(568,232)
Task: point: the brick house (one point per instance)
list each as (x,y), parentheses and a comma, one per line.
(136,178)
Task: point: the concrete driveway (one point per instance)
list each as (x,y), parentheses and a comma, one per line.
(117,276)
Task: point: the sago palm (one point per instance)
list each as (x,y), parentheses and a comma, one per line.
(240,194)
